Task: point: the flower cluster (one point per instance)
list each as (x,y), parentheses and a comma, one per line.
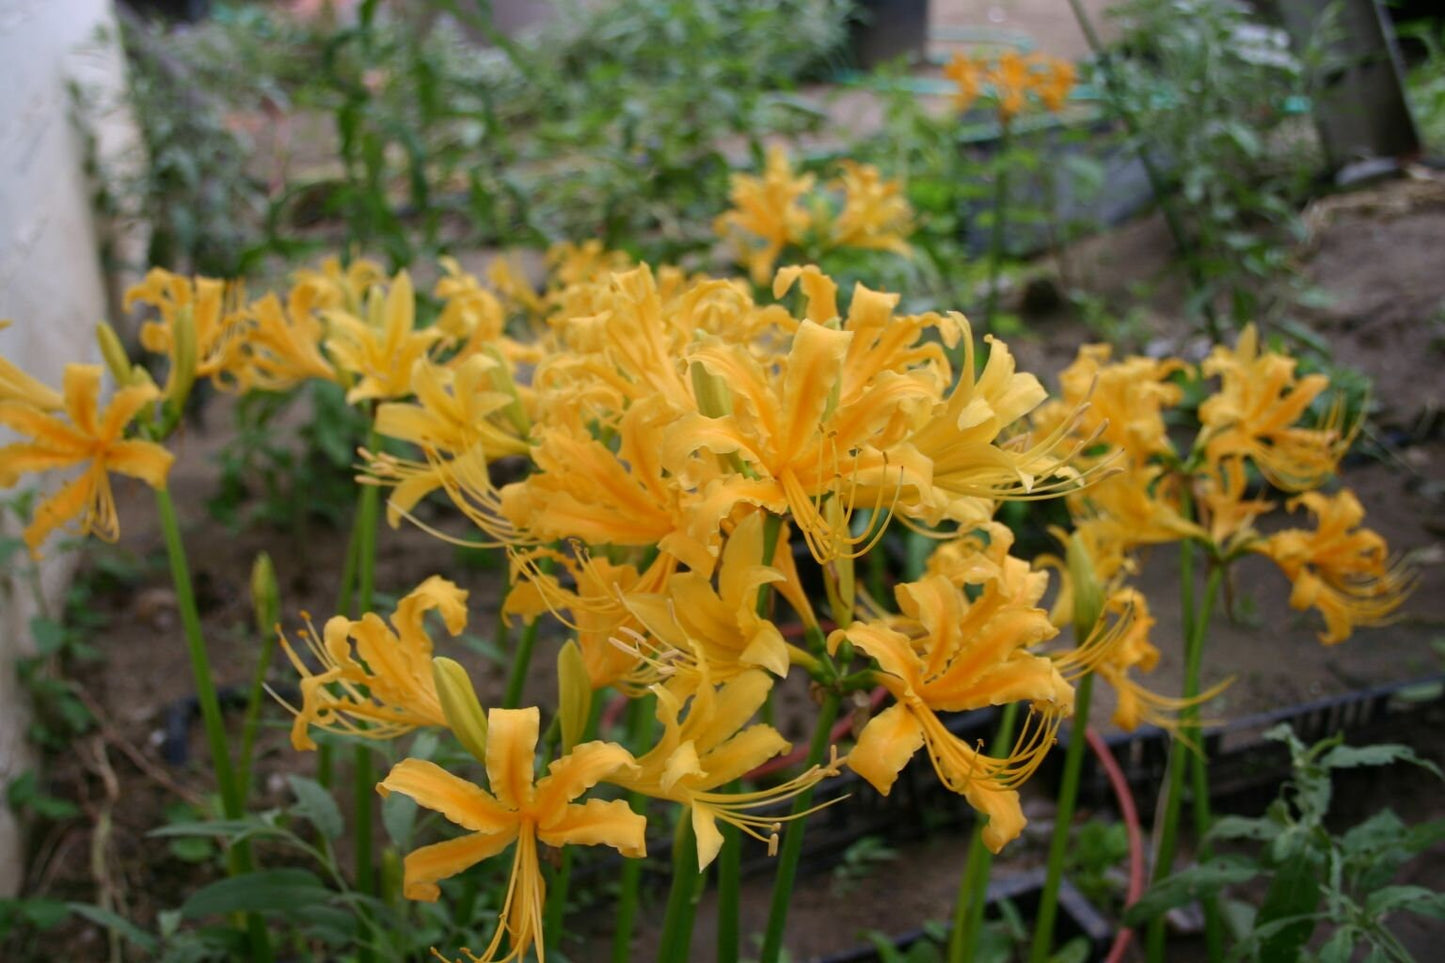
(779,209)
(1010,78)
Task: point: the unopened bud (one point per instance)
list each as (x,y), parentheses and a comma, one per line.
(1088,593)
(114,354)
(265,596)
(574,694)
(183,361)
(713,397)
(459,704)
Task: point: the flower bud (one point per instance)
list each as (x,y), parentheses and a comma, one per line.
(574,703)
(713,397)
(114,354)
(265,596)
(1088,593)
(459,704)
(183,362)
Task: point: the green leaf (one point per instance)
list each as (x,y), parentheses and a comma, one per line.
(398,815)
(48,634)
(287,890)
(43,913)
(316,806)
(1339,947)
(1188,885)
(192,849)
(230,829)
(1238,827)
(1350,757)
(1413,899)
(1293,894)
(117,923)
(1074,951)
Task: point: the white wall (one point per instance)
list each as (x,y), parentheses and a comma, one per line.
(51,282)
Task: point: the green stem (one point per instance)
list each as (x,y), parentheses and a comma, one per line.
(1157,186)
(1199,766)
(1000,223)
(253,712)
(639,727)
(1063,823)
(682,897)
(556,905)
(729,891)
(793,836)
(1196,626)
(363,767)
(521,663)
(973,888)
(232,800)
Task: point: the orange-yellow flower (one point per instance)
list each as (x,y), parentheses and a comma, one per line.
(1255,411)
(1339,568)
(766,215)
(969,74)
(213,313)
(88,436)
(875,212)
(709,748)
(381,349)
(956,655)
(376,681)
(519,808)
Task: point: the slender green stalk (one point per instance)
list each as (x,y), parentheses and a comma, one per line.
(200,660)
(729,891)
(1157,184)
(682,896)
(1196,626)
(793,836)
(232,799)
(1063,823)
(556,906)
(973,888)
(252,719)
(521,663)
(1199,766)
(639,726)
(363,767)
(1000,223)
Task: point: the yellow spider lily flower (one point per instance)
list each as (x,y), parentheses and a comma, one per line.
(766,214)
(594,608)
(1053,79)
(969,73)
(282,347)
(89,436)
(875,213)
(1220,492)
(519,808)
(381,350)
(1125,401)
(960,655)
(710,748)
(718,633)
(1339,568)
(1012,79)
(333,287)
(970,444)
(213,311)
(376,681)
(457,410)
(1253,415)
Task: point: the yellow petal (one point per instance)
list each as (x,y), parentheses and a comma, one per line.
(598,823)
(709,838)
(884,747)
(423,867)
(511,751)
(465,804)
(579,770)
